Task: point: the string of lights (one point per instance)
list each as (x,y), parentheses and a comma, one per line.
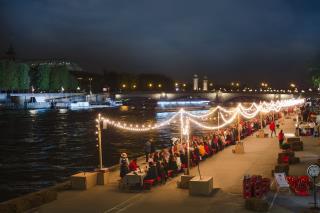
(226,122)
(247,113)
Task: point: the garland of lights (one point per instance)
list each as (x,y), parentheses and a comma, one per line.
(247,113)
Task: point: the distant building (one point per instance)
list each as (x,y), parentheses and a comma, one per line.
(72,66)
(195,82)
(205,84)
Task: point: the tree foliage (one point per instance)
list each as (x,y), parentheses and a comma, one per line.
(315,76)
(23,76)
(61,77)
(14,76)
(42,76)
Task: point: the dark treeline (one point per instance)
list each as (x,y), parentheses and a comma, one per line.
(20,77)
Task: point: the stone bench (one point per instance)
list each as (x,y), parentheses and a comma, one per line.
(202,187)
(84,180)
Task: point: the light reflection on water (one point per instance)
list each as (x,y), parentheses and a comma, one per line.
(39,148)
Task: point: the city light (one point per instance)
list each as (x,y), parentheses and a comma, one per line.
(159,85)
(134,86)
(150,85)
(124,85)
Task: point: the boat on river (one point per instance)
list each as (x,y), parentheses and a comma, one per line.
(185,103)
(109,103)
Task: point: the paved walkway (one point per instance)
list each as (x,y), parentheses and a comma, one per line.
(226,168)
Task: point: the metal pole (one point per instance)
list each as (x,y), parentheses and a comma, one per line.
(99,140)
(188,147)
(315,193)
(239,134)
(218,120)
(273,115)
(261,121)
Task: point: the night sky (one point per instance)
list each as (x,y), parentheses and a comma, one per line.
(246,40)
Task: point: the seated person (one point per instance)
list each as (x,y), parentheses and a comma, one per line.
(133,166)
(173,164)
(152,172)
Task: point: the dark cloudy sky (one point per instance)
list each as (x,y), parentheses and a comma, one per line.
(274,40)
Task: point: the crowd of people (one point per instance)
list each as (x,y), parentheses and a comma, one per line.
(165,163)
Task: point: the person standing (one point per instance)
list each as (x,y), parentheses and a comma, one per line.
(124,165)
(147,149)
(272,128)
(281,138)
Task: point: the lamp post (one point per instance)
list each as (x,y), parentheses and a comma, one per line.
(239,134)
(261,120)
(99,141)
(218,120)
(187,134)
(90,79)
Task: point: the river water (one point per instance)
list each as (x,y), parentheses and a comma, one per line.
(39,148)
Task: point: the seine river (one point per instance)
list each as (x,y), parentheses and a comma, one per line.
(39,148)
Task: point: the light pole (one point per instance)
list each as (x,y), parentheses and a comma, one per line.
(99,141)
(90,79)
(239,134)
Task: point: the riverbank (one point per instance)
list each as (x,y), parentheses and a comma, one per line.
(226,168)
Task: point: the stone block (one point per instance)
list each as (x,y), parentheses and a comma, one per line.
(239,148)
(103,177)
(201,186)
(257,205)
(84,180)
(293,139)
(184,181)
(297,146)
(49,196)
(294,160)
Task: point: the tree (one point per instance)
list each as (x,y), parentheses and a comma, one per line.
(42,81)
(8,75)
(23,78)
(315,76)
(2,75)
(61,77)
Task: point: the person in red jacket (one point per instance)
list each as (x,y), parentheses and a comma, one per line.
(272,128)
(281,138)
(133,166)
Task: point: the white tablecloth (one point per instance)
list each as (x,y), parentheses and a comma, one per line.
(134,178)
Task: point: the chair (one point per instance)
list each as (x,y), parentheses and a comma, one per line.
(170,173)
(147,184)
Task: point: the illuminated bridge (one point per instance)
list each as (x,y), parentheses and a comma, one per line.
(213,96)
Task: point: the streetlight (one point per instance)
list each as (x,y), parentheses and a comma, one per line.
(150,85)
(292,85)
(134,86)
(90,79)
(159,85)
(124,85)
